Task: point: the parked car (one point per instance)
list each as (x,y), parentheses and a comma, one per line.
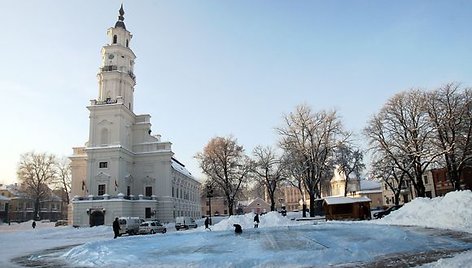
(151,227)
(129,225)
(384,213)
(60,223)
(184,223)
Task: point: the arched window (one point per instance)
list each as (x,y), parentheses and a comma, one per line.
(104,136)
(115,39)
(127,42)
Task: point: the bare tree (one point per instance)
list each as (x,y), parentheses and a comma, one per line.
(449,110)
(402,132)
(310,138)
(294,173)
(350,161)
(226,166)
(385,169)
(35,172)
(268,168)
(63,179)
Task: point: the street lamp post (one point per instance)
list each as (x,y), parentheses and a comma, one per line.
(209,196)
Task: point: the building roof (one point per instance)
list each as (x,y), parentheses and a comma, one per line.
(257,201)
(179,167)
(370,192)
(345,200)
(370,185)
(4,198)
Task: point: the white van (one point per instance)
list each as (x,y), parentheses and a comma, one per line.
(129,225)
(184,223)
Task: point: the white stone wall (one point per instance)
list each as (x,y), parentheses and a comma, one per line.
(123,140)
(112,208)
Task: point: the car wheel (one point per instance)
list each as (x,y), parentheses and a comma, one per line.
(152,232)
(164,231)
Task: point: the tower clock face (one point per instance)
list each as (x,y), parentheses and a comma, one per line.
(111,56)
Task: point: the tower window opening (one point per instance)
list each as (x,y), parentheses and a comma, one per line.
(115,39)
(103,164)
(127,42)
(101,189)
(148,191)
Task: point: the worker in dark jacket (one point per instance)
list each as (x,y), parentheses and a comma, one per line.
(238,229)
(116,228)
(256,221)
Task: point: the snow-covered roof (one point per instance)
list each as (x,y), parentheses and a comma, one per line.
(177,166)
(370,185)
(4,198)
(334,200)
(369,192)
(243,203)
(258,201)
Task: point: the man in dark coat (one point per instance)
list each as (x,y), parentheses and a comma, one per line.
(256,221)
(116,228)
(207,222)
(33,224)
(238,229)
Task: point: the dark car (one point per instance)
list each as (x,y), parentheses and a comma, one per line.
(384,213)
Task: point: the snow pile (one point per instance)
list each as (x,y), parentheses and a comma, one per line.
(453,211)
(246,221)
(460,260)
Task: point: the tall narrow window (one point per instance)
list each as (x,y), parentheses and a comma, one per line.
(101,189)
(147,213)
(148,191)
(115,39)
(128,191)
(127,42)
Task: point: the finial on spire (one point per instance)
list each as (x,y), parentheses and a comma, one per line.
(121,18)
(122,12)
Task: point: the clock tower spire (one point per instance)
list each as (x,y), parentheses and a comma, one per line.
(116,77)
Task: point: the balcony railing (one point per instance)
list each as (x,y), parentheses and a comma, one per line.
(109,68)
(107,101)
(108,197)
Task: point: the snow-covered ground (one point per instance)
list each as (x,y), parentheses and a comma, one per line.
(278,242)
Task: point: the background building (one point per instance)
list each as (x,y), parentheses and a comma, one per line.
(21,207)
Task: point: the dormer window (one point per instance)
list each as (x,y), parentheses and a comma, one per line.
(115,39)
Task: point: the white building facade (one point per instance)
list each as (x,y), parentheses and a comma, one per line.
(123,170)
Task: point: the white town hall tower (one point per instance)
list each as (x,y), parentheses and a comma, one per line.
(123,170)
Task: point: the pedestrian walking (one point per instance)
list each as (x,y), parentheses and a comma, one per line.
(116,228)
(207,222)
(256,221)
(33,224)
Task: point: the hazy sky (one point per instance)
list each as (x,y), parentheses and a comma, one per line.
(219,68)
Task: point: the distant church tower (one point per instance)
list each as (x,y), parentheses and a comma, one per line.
(123,170)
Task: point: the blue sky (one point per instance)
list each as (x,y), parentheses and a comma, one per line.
(219,68)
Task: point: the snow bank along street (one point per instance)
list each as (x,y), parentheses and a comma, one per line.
(279,241)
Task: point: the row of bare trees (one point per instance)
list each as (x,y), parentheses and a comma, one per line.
(310,145)
(39,172)
(416,130)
